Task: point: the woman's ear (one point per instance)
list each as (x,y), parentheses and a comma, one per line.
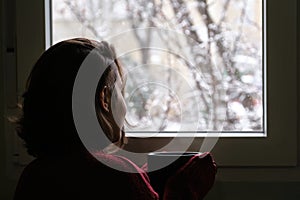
(104,98)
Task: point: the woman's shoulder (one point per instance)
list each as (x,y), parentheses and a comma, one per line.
(137,179)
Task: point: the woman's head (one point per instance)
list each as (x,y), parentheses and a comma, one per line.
(46,124)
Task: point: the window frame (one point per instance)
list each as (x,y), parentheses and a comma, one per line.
(182,133)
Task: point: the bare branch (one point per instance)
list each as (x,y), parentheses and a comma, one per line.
(82,19)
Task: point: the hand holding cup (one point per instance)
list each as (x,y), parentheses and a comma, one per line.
(193,180)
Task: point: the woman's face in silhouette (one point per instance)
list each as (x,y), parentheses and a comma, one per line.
(118,105)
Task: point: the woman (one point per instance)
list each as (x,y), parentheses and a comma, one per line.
(64,168)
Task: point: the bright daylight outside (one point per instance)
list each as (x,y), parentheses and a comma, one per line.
(191,65)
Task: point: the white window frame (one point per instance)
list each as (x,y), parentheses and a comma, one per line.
(278,149)
(183,133)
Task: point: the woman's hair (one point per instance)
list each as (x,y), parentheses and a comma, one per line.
(46,124)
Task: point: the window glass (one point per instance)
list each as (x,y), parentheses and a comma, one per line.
(190,65)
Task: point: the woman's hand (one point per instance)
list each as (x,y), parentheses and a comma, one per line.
(192,181)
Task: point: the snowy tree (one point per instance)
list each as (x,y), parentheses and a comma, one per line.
(213,74)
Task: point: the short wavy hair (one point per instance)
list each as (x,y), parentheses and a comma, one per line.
(46,123)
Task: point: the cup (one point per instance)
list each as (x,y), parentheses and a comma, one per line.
(162,165)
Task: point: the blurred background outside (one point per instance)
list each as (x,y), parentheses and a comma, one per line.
(208,75)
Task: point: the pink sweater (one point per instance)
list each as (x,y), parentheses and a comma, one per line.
(74,177)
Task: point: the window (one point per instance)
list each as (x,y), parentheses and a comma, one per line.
(247,37)
(194,67)
(230,150)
